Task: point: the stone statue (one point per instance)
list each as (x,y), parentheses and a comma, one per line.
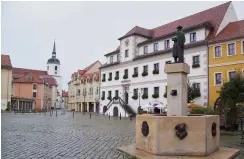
(178,48)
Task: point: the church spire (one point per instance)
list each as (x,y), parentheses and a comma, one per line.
(54,50)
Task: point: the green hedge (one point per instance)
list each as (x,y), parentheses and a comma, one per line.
(203,110)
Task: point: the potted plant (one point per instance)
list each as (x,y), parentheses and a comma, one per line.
(135,75)
(144,74)
(116,77)
(134,97)
(125,76)
(144,96)
(103,98)
(155,72)
(155,95)
(195,65)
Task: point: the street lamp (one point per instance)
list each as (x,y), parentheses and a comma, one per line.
(84,94)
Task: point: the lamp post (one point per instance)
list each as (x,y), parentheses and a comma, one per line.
(84,94)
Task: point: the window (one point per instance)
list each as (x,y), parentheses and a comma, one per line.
(135,70)
(34,94)
(110,76)
(109,93)
(156,90)
(47,67)
(97,90)
(84,91)
(111,59)
(127,53)
(231,49)
(118,57)
(116,93)
(145,91)
(145,49)
(192,37)
(196,62)
(218,78)
(155,46)
(135,92)
(55,72)
(103,94)
(91,90)
(196,87)
(217,51)
(116,75)
(56,68)
(156,66)
(104,78)
(125,74)
(145,69)
(34,86)
(231,75)
(166,44)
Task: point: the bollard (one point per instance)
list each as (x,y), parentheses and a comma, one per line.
(90,115)
(50,113)
(29,112)
(119,116)
(56,113)
(73,114)
(109,116)
(130,117)
(45,113)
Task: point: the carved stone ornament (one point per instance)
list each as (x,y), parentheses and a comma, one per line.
(144,128)
(214,130)
(181,131)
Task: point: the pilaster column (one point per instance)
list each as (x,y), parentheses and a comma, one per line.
(87,107)
(94,107)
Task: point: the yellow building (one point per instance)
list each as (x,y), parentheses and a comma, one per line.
(226,57)
(6,81)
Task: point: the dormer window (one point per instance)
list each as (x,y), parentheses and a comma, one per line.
(155,47)
(111,59)
(145,49)
(193,37)
(118,57)
(56,68)
(127,53)
(166,44)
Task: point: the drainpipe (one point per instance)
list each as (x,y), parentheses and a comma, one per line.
(7,86)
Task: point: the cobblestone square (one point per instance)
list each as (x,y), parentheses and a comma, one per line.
(30,136)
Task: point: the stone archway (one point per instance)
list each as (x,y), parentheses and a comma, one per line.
(115,111)
(104,109)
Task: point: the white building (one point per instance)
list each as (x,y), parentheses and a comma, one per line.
(53,69)
(135,70)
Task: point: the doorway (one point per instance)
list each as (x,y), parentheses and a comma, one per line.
(115,111)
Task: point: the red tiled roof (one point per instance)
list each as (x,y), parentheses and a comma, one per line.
(28,78)
(83,72)
(24,70)
(115,51)
(64,93)
(49,79)
(38,76)
(213,15)
(232,31)
(6,61)
(138,31)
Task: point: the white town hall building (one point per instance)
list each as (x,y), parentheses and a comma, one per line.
(134,72)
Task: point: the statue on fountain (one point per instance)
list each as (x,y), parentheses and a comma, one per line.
(178,47)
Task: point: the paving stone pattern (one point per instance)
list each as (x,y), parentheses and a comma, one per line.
(31,136)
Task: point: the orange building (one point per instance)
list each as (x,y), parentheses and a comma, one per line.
(32,89)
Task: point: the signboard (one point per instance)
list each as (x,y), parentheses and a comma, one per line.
(125,81)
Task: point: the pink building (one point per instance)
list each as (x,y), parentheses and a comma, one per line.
(32,89)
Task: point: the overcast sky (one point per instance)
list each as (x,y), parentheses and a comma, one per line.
(83,31)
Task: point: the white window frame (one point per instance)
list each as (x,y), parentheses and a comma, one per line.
(168,44)
(214,51)
(228,75)
(195,37)
(145,49)
(215,79)
(111,59)
(156,43)
(228,48)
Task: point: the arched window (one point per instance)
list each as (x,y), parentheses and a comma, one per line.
(56,68)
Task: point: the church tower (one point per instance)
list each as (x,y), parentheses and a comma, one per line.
(53,69)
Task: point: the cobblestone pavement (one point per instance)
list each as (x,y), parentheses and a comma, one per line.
(31,136)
